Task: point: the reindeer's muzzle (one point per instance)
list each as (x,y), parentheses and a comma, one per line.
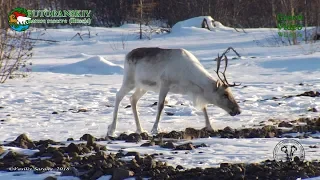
(235,112)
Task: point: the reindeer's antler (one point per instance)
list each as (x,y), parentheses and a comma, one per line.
(218,67)
(225,81)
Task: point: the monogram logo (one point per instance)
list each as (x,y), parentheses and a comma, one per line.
(289,150)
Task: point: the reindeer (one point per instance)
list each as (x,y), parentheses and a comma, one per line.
(176,71)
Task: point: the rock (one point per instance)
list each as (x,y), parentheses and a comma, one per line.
(224,165)
(168,145)
(82,110)
(312,110)
(46,164)
(128,106)
(310,94)
(285,124)
(144,136)
(86,150)
(191,133)
(47,142)
(174,135)
(54,112)
(201,145)
(149,162)
(122,137)
(73,154)
(134,165)
(73,148)
(317,123)
(169,113)
(98,147)
(132,153)
(58,157)
(134,137)
(18,163)
(147,144)
(236,169)
(179,167)
(51,149)
(228,130)
(69,172)
(12,155)
(97,174)
(120,174)
(50,178)
(1,150)
(187,146)
(87,137)
(270,135)
(23,141)
(70,139)
(90,141)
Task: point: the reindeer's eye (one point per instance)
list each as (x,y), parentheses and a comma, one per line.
(225,95)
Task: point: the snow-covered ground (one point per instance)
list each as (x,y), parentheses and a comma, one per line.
(73,74)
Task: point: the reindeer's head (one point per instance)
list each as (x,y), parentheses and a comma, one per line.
(223,95)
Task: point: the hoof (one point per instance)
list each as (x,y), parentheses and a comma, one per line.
(111,131)
(155,131)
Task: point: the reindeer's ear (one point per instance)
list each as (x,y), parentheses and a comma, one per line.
(217,85)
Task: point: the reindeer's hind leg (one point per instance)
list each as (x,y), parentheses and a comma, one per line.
(125,89)
(134,99)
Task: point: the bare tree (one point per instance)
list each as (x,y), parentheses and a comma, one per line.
(15,51)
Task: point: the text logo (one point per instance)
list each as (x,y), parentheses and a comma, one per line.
(291,23)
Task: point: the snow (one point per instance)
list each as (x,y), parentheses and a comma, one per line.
(29,175)
(27,152)
(193,25)
(219,151)
(73,74)
(195,22)
(92,65)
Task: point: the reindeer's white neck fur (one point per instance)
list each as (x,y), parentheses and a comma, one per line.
(200,78)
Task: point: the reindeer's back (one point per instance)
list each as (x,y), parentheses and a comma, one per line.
(147,66)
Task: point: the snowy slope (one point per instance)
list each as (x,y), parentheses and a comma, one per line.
(92,65)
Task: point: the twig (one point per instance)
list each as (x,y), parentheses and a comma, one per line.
(226,51)
(43,40)
(76,35)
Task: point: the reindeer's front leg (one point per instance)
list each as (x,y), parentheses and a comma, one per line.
(208,124)
(120,94)
(164,89)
